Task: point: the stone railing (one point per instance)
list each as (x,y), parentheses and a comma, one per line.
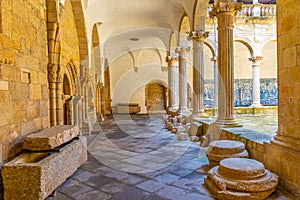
(263,12)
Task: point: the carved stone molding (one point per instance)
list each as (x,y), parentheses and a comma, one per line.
(52,73)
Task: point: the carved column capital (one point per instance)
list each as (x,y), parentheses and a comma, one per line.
(52,73)
(171,59)
(182,51)
(225,7)
(214,59)
(197,35)
(255,58)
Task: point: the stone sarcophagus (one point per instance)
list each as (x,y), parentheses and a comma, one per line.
(36,174)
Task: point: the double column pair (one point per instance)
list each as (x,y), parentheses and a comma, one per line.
(180,60)
(177,68)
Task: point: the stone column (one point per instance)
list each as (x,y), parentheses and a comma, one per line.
(52,78)
(216,71)
(256,80)
(183,98)
(198,38)
(225,11)
(59,107)
(173,82)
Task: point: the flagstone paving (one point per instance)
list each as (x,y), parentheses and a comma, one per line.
(136,159)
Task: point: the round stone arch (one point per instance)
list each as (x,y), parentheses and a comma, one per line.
(248,43)
(199,15)
(156,96)
(212,46)
(184,27)
(173,42)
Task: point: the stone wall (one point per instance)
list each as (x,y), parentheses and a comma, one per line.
(283,155)
(69,37)
(23,71)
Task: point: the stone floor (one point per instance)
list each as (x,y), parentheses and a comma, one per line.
(135,159)
(263,123)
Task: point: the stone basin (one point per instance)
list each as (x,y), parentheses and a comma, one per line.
(34,176)
(30,157)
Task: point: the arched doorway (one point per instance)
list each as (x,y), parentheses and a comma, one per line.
(156,97)
(67,102)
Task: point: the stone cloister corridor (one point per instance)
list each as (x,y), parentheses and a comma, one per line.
(125,164)
(139,99)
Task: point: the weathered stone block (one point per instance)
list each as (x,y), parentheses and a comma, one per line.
(182,136)
(37,175)
(51,138)
(196,129)
(194,139)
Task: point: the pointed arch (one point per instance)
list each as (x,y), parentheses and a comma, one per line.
(81,30)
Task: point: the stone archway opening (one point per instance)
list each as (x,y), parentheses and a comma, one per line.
(155,97)
(67,102)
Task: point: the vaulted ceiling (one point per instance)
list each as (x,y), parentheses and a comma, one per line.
(126,25)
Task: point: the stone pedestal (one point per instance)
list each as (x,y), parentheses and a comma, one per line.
(221,149)
(241,178)
(225,11)
(198,38)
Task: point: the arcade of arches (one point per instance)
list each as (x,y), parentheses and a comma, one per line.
(77,62)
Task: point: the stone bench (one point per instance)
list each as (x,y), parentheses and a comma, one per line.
(241,178)
(39,170)
(222,149)
(128,108)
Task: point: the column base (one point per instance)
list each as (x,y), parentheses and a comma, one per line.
(173,108)
(200,114)
(184,111)
(287,142)
(256,105)
(227,123)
